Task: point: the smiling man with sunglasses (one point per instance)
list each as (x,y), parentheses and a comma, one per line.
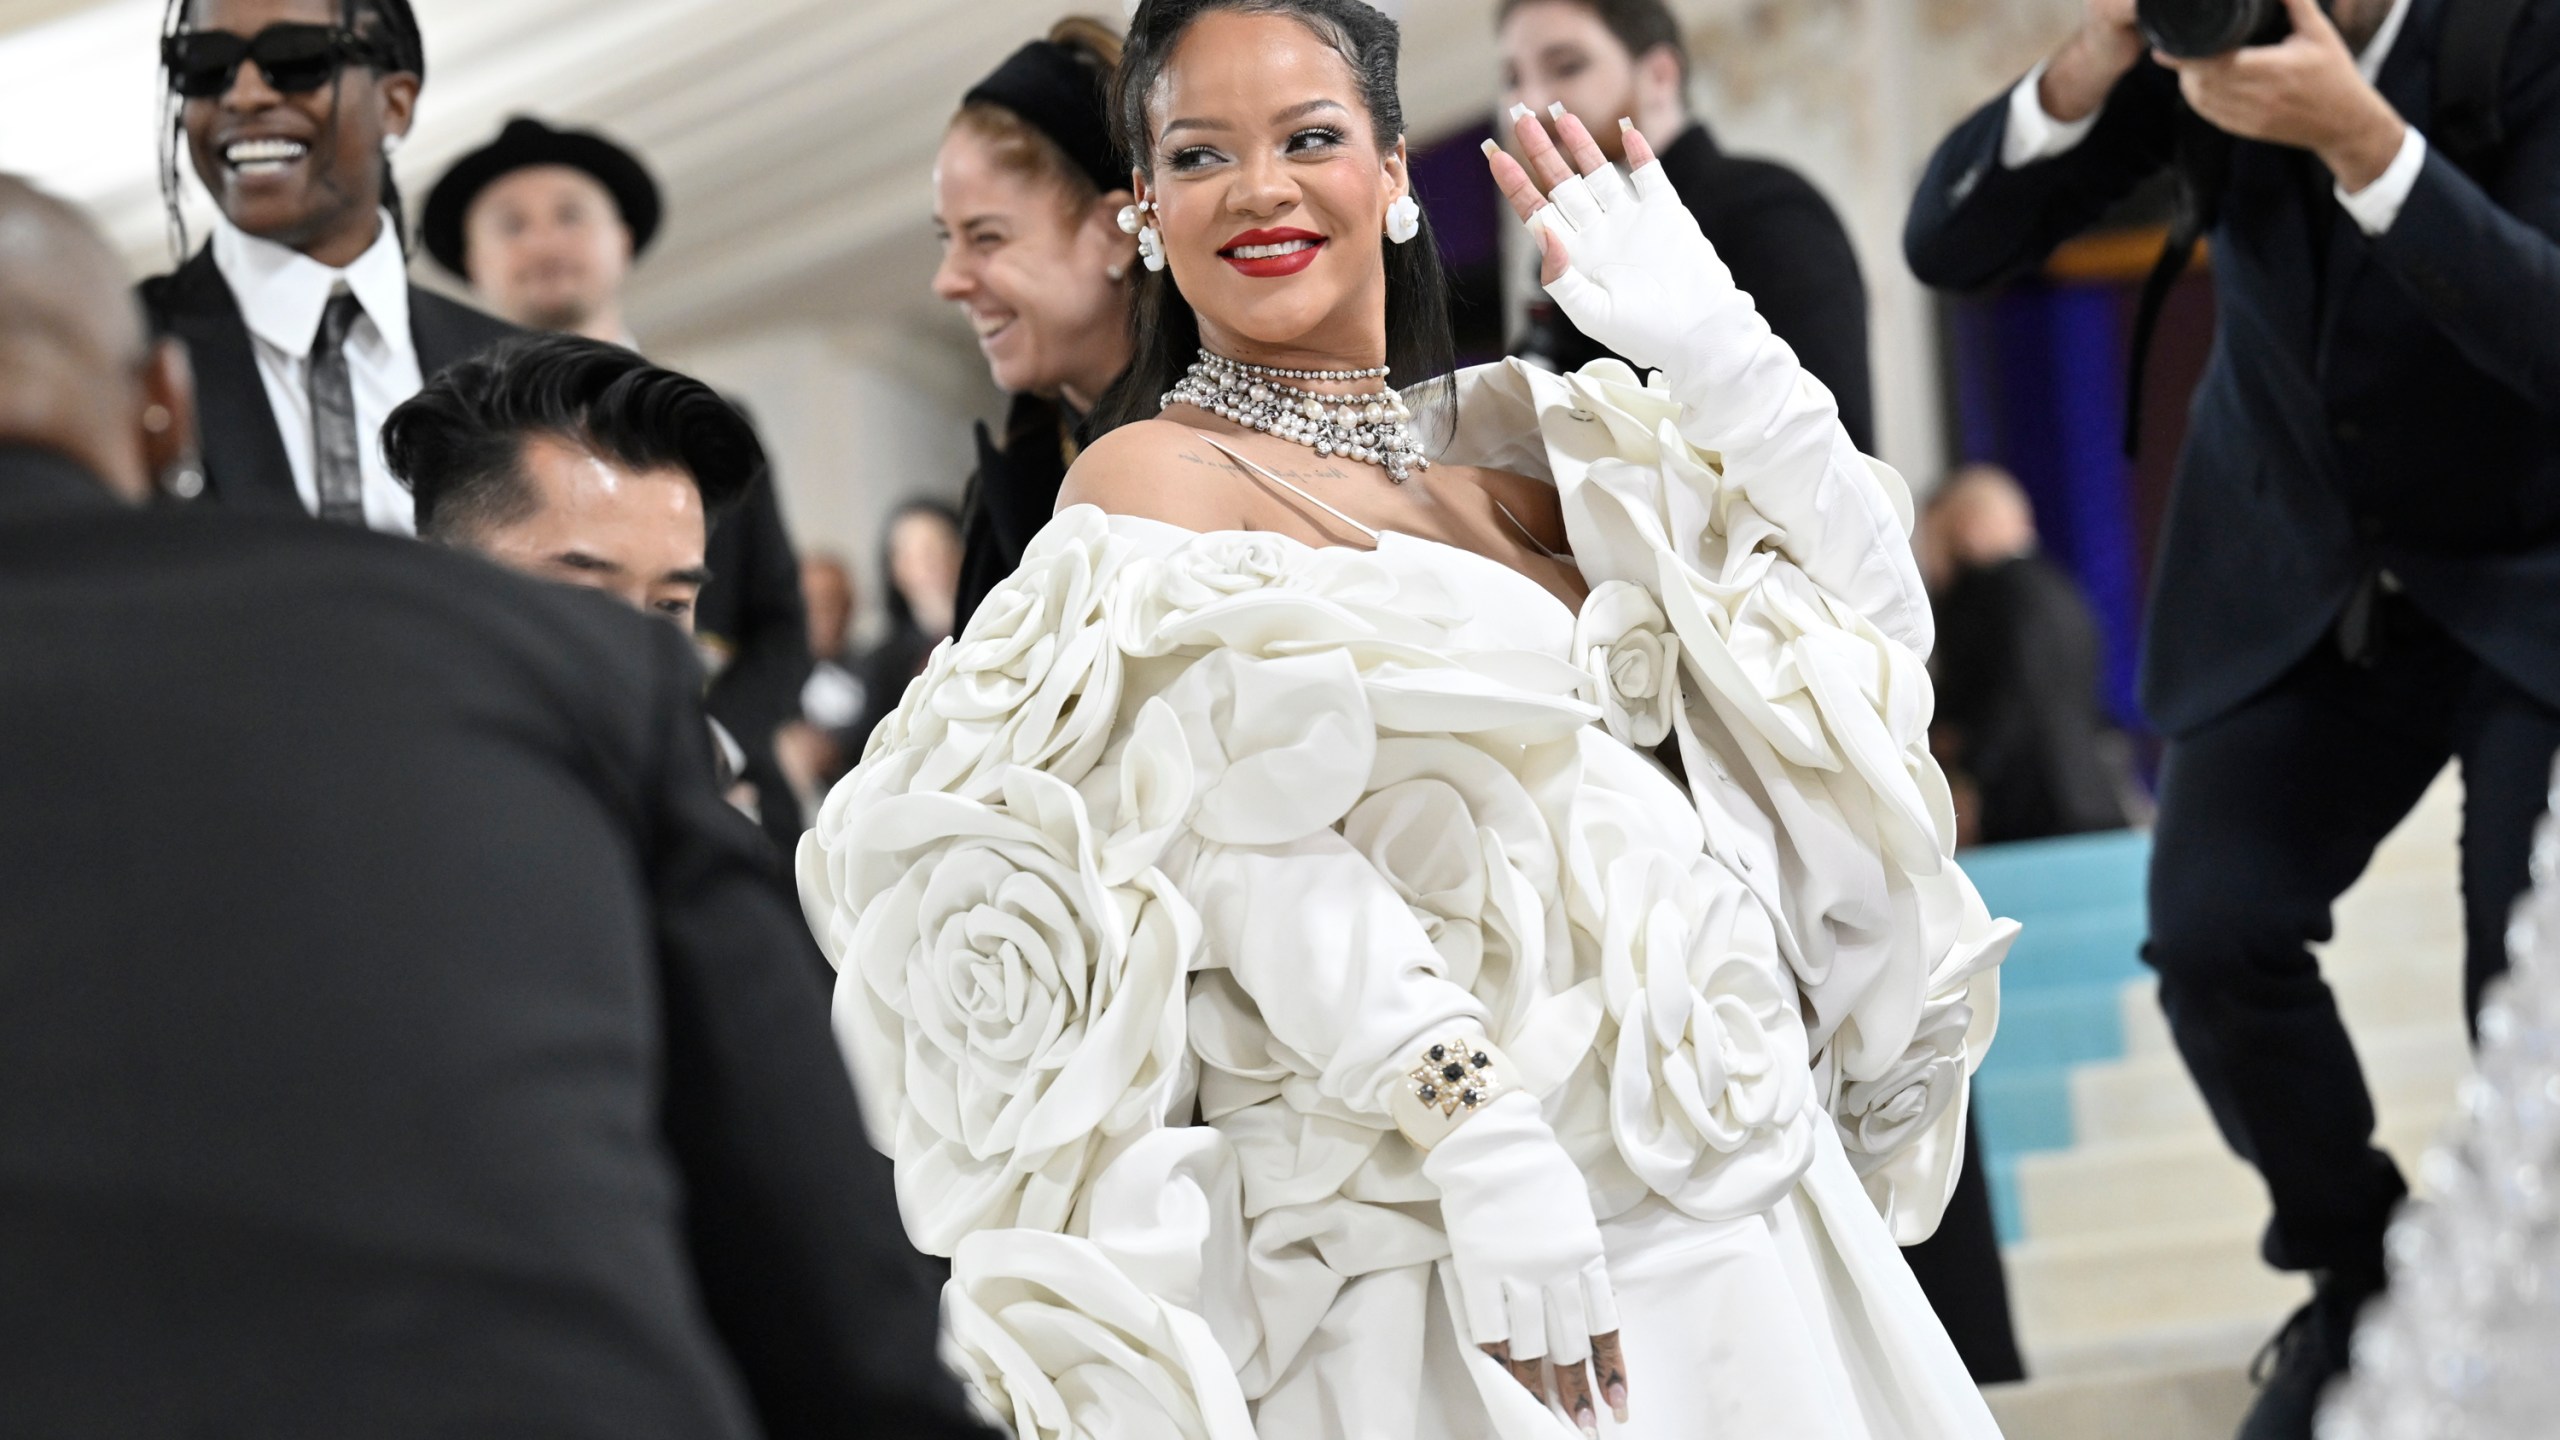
(298,311)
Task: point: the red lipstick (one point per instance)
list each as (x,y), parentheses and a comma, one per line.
(1305,245)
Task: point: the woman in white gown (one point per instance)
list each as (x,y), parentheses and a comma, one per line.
(1276,943)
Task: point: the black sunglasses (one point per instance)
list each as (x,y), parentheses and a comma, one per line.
(296,59)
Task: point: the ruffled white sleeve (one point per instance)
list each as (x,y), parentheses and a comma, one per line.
(1800,703)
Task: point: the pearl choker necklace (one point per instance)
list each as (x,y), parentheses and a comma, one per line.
(1374,427)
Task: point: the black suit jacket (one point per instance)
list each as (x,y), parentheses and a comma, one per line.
(753,611)
(2370,403)
(244,458)
(2017,689)
(1788,252)
(398,1036)
(752,607)
(1012,494)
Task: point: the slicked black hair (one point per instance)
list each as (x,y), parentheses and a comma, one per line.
(458,444)
(1421,348)
(391,23)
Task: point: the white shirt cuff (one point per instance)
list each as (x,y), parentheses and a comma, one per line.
(2032,134)
(2375,206)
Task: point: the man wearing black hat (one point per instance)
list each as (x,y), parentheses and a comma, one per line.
(545,224)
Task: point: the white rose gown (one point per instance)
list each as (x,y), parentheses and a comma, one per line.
(1165,866)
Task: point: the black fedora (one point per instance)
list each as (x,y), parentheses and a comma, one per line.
(527,142)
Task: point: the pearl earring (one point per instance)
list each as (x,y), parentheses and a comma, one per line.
(1404,219)
(391,145)
(1133,221)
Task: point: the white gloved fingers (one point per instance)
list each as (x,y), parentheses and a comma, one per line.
(1583,302)
(1568,1324)
(1488,1316)
(1599,1298)
(1552,217)
(1529,1337)
(1575,199)
(1651,183)
(1609,188)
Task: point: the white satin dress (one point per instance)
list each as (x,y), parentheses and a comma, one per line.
(1143,897)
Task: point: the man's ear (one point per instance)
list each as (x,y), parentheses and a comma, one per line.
(1658,79)
(399,101)
(168,419)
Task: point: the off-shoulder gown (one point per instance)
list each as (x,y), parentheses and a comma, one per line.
(1143,896)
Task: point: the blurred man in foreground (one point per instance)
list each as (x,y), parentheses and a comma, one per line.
(400,1040)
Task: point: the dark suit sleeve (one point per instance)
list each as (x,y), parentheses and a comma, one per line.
(828,1314)
(1976,222)
(1793,257)
(2482,263)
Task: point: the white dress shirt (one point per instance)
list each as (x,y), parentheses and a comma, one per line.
(282,293)
(2034,135)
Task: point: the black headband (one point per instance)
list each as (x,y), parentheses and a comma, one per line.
(1060,96)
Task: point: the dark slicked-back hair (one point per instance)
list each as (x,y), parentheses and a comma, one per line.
(1640,25)
(1421,348)
(458,444)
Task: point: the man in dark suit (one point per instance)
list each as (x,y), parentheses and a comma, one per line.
(2019,724)
(298,312)
(2362,554)
(1603,59)
(546,224)
(400,1037)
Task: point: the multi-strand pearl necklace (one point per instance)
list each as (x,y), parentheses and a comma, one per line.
(1373,427)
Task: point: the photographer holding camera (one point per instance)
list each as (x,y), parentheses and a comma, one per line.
(2359,574)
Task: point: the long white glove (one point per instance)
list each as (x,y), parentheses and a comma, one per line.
(1521,1237)
(1642,279)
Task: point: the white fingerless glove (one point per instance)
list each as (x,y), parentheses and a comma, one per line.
(1641,279)
(1521,1238)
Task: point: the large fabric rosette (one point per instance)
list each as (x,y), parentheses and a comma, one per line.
(1800,702)
(1009,1011)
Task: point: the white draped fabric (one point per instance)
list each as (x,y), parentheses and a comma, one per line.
(1165,868)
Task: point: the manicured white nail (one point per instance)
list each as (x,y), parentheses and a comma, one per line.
(1519,112)
(1491,149)
(1625,124)
(1556,112)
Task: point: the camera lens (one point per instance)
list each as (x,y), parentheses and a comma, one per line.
(2192,29)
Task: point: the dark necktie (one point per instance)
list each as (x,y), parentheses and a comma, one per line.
(338,475)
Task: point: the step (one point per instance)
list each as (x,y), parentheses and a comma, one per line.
(2410,1068)
(2425,992)
(2116,1287)
(2229,1343)
(2128,1185)
(2202,1403)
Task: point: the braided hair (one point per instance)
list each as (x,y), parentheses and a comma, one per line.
(392,23)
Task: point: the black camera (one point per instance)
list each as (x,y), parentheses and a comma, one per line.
(2194,29)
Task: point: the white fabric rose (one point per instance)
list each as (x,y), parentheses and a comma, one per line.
(1709,1083)
(1625,641)
(1878,1117)
(1466,847)
(1009,1008)
(1265,594)
(1056,1342)
(1034,680)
